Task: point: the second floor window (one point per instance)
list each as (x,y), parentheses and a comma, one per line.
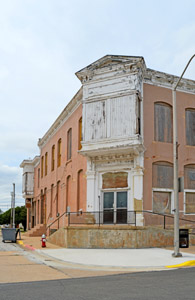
(59,152)
(190,126)
(42,165)
(69,144)
(38,177)
(53,157)
(163,128)
(46,154)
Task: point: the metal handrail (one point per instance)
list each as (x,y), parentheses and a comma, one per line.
(80,213)
(57,219)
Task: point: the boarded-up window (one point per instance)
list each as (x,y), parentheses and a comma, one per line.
(68,191)
(38,177)
(45,205)
(190,127)
(163,130)
(189,182)
(57,197)
(162,202)
(42,165)
(51,203)
(53,157)
(69,144)
(59,152)
(114,180)
(80,187)
(162,178)
(46,154)
(162,175)
(80,134)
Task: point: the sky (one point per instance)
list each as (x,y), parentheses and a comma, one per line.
(44,42)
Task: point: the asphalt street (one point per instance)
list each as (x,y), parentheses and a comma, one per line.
(176,285)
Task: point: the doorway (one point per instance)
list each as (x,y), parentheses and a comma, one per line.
(115,207)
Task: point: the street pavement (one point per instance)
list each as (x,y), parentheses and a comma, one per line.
(175,285)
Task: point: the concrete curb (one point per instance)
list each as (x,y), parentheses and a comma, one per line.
(190,263)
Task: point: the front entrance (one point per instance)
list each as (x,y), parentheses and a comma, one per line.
(115,207)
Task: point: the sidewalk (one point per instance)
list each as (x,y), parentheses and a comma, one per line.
(27,261)
(113,259)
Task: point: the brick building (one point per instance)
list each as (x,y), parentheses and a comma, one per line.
(110,152)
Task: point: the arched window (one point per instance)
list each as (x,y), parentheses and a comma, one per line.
(189,185)
(57,198)
(53,157)
(80,189)
(68,192)
(162,186)
(42,165)
(51,200)
(190,126)
(46,155)
(69,144)
(59,152)
(80,134)
(163,124)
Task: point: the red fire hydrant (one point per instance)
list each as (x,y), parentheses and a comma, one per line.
(43,241)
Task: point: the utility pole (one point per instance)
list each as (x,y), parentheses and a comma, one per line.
(13,205)
(11,219)
(175,168)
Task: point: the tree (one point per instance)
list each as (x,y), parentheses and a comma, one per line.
(20,216)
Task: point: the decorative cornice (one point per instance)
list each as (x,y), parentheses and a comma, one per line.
(168,80)
(109,63)
(34,162)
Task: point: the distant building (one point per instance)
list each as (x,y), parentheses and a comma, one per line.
(110,151)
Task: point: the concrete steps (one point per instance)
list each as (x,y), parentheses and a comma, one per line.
(38,230)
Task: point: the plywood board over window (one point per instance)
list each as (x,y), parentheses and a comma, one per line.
(162,175)
(162,202)
(59,152)
(190,126)
(69,144)
(189,184)
(114,180)
(162,183)
(53,158)
(163,128)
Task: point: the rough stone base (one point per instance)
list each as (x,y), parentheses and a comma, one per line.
(113,237)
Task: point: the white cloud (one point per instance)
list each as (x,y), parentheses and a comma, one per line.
(8,176)
(43,43)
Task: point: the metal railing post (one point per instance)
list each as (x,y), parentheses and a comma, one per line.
(164,222)
(135,217)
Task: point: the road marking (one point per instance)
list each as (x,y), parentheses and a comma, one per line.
(189,263)
(26,246)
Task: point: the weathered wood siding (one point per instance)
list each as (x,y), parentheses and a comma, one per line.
(163,123)
(111,118)
(190,127)
(162,175)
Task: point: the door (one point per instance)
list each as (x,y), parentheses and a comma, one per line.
(121,207)
(115,207)
(109,207)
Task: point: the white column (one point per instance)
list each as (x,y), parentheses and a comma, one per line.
(138,188)
(91,174)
